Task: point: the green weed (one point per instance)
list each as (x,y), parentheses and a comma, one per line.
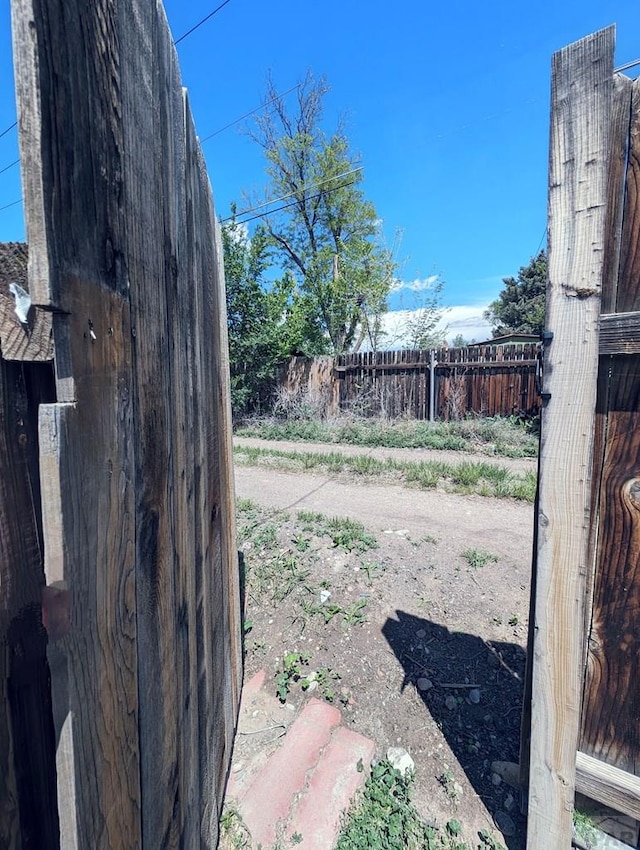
(291,673)
(585,829)
(467,477)
(234,834)
(477,558)
(350,535)
(372,570)
(383,817)
(353,616)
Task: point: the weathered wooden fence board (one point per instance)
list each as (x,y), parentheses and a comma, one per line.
(136,454)
(28,812)
(582,89)
(482,380)
(610,727)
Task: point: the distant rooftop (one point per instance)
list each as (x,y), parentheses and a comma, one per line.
(509,339)
(13,263)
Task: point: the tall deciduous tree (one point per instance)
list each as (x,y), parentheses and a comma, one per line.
(520,306)
(326,233)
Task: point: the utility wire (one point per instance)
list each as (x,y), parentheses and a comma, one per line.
(4,132)
(177,41)
(301,189)
(627,66)
(247,114)
(293,203)
(199,24)
(7,167)
(12,204)
(541,241)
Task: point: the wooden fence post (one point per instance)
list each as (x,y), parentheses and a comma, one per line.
(582,87)
(138,506)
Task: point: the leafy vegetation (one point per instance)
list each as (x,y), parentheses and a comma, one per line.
(585,829)
(347,534)
(481,478)
(520,306)
(508,437)
(290,673)
(327,238)
(477,558)
(383,817)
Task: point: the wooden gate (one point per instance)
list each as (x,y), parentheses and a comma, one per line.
(120,479)
(585,619)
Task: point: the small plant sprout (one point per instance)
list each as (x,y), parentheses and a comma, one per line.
(291,673)
(477,558)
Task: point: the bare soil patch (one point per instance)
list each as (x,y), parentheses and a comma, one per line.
(424,622)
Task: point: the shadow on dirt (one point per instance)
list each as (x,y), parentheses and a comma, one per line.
(474,694)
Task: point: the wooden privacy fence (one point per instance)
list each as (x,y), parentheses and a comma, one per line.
(584,686)
(116,486)
(486,380)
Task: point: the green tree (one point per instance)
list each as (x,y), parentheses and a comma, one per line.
(326,234)
(252,317)
(520,306)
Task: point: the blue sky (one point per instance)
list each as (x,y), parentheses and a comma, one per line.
(447,104)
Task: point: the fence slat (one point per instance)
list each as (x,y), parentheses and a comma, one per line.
(612,686)
(28,813)
(582,82)
(485,380)
(136,453)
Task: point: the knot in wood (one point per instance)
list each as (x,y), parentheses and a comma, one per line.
(631,492)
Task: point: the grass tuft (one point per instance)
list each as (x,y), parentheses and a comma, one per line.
(481,478)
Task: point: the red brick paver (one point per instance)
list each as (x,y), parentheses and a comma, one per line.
(269,799)
(330,789)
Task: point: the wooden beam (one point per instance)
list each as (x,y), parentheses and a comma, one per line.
(582,80)
(620,333)
(607,784)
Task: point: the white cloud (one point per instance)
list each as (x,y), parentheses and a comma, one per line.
(416,285)
(465,319)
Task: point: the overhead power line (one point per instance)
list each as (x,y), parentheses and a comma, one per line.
(301,189)
(293,203)
(200,23)
(4,132)
(626,66)
(12,204)
(7,167)
(247,114)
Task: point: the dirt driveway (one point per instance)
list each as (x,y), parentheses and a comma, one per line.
(437,667)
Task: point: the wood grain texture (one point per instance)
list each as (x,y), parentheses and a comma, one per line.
(608,785)
(28,814)
(489,380)
(582,84)
(610,726)
(628,289)
(620,333)
(610,722)
(139,514)
(619,128)
(88,520)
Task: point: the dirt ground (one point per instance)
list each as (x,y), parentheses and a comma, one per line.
(427,628)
